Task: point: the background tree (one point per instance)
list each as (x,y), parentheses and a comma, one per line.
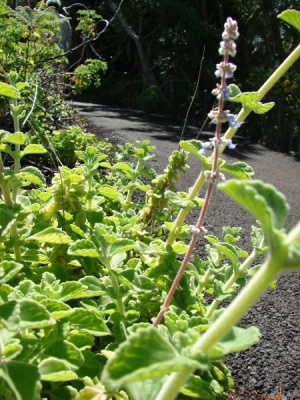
(153,49)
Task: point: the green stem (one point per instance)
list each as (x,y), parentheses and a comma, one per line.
(204,281)
(115,284)
(238,307)
(133,180)
(234,277)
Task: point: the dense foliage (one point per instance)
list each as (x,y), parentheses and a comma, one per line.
(87,260)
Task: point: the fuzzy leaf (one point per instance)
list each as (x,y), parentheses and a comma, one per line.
(8,91)
(22,379)
(51,235)
(110,192)
(292,17)
(88,321)
(33,149)
(33,315)
(194,147)
(198,388)
(158,358)
(57,309)
(250,100)
(263,201)
(233,90)
(239,170)
(55,370)
(6,219)
(15,138)
(31,175)
(236,340)
(83,248)
(9,269)
(66,351)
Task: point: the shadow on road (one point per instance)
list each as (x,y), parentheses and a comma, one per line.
(156,127)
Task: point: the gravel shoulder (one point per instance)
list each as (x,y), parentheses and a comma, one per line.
(274,363)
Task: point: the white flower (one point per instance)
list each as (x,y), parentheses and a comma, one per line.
(227,68)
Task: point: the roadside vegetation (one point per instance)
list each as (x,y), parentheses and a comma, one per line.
(101,296)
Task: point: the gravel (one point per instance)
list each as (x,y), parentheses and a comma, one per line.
(273,365)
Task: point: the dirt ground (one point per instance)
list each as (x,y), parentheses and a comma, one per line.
(273,365)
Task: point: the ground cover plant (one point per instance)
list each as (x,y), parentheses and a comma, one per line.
(100,295)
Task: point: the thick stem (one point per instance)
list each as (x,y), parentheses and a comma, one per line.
(225,322)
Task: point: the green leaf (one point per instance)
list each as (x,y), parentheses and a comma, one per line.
(250,100)
(83,248)
(110,192)
(88,321)
(55,370)
(9,269)
(8,91)
(51,235)
(198,388)
(33,149)
(92,286)
(6,219)
(145,355)
(31,175)
(262,200)
(57,309)
(34,315)
(236,340)
(12,348)
(15,138)
(121,246)
(66,351)
(146,389)
(22,379)
(239,170)
(292,17)
(233,90)
(9,318)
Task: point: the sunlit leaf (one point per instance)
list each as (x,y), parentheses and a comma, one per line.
(55,370)
(239,170)
(262,200)
(237,339)
(8,91)
(66,351)
(109,191)
(31,175)
(51,235)
(88,321)
(292,17)
(15,138)
(83,248)
(33,149)
(9,269)
(34,315)
(159,358)
(250,100)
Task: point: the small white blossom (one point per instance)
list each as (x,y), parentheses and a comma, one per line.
(216,116)
(227,47)
(227,68)
(231,29)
